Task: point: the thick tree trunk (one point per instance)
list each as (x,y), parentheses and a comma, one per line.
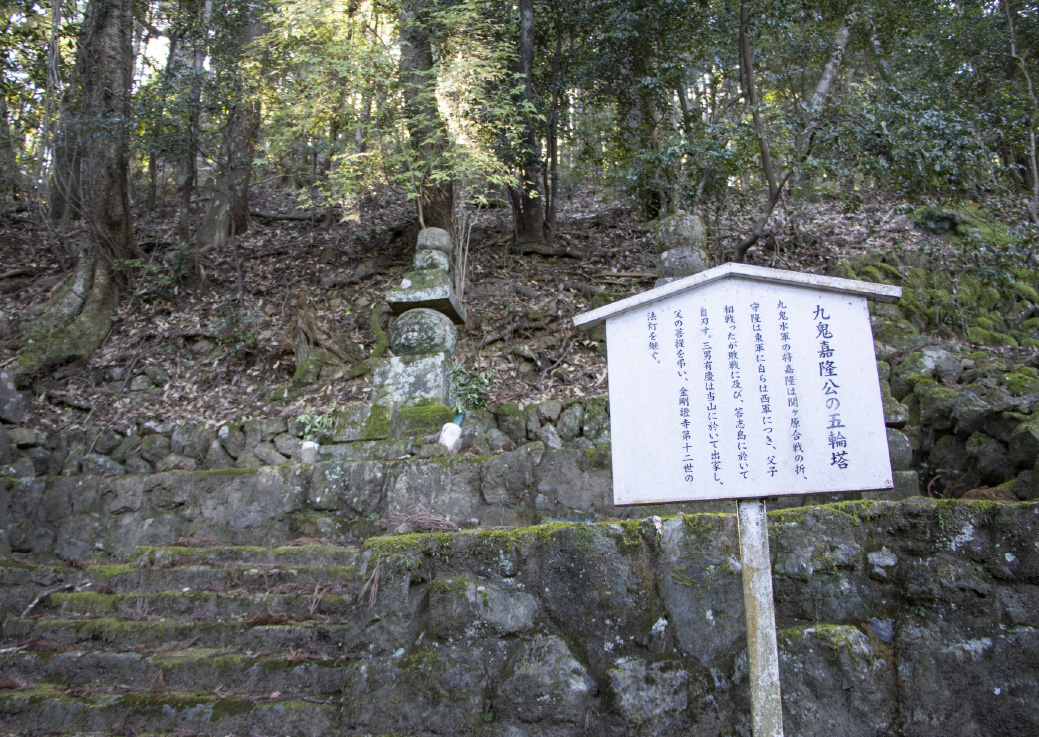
(530,196)
(77,320)
(425,125)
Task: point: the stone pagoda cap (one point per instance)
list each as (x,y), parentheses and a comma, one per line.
(819,282)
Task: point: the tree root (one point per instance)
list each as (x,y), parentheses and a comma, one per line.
(382,343)
(54,338)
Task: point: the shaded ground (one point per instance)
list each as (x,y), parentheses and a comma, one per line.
(213,354)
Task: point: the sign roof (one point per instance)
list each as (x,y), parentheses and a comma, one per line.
(867,290)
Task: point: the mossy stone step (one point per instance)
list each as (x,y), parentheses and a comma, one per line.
(218,577)
(53,709)
(192,669)
(285,556)
(333,639)
(205,606)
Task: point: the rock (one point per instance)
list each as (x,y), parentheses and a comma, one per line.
(913,367)
(596,418)
(135,464)
(548,435)
(547,684)
(176,462)
(896,414)
(1002,425)
(531,421)
(549,410)
(232,439)
(140,383)
(936,405)
(22,468)
(217,457)
(191,439)
(990,458)
(152,427)
(570,421)
(262,431)
(288,445)
(23,437)
(655,695)
(499,441)
(13,407)
(969,413)
(459,604)
(154,448)
(94,464)
(434,239)
(899,449)
(248,459)
(1026,485)
(420,331)
(512,422)
(681,231)
(430,259)
(6,452)
(679,262)
(267,453)
(1024,443)
(948,454)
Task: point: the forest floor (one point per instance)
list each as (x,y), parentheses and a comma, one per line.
(217,352)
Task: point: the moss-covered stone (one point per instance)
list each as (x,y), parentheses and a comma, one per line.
(990,337)
(424,419)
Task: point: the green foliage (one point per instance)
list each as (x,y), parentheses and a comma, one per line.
(317,426)
(468,388)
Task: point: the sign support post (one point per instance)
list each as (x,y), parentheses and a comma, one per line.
(759,606)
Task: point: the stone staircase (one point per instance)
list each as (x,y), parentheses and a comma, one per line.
(221,640)
(917,618)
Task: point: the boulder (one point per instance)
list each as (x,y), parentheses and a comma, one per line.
(422,331)
(900,450)
(990,458)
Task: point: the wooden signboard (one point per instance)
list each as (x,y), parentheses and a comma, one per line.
(744,382)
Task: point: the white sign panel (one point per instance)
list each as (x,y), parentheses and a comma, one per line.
(738,389)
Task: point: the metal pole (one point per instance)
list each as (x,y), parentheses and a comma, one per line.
(762,651)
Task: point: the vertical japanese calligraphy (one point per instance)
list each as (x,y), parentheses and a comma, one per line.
(654,344)
(738,411)
(828,371)
(767,425)
(713,434)
(683,401)
(790,382)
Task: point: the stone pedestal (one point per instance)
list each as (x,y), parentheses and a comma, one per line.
(406,381)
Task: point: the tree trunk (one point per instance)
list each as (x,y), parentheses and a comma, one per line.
(189,177)
(750,94)
(229,205)
(10,174)
(530,197)
(426,127)
(77,320)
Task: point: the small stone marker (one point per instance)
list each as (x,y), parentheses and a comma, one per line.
(743,382)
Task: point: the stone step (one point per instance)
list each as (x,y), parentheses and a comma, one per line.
(221,577)
(246,555)
(106,632)
(56,710)
(204,606)
(309,672)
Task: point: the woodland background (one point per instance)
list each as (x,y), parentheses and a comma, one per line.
(194,190)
